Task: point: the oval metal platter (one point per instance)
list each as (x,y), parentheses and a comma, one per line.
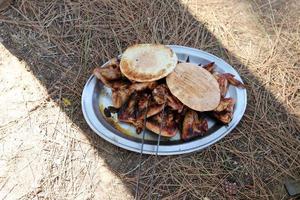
(96,97)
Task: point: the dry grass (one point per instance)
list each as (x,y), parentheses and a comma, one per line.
(66,39)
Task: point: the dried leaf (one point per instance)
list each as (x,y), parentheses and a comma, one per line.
(66,102)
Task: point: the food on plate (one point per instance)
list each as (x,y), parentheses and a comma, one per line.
(194,86)
(226,104)
(223,83)
(193,125)
(224,80)
(149,88)
(224,111)
(147,62)
(121,95)
(109,74)
(167,121)
(209,67)
(162,93)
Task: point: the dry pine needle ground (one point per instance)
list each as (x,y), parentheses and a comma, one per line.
(63,40)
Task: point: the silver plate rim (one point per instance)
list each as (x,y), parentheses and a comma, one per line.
(176,149)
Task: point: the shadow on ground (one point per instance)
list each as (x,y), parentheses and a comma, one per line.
(62,41)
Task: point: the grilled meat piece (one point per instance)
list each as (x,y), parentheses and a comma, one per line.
(115,61)
(167,123)
(142,86)
(98,73)
(119,84)
(224,111)
(174,103)
(134,110)
(230,78)
(209,67)
(224,79)
(225,117)
(193,125)
(120,96)
(108,73)
(226,104)
(223,83)
(141,109)
(154,109)
(161,92)
(128,111)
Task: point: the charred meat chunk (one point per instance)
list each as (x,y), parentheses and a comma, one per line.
(223,83)
(230,78)
(120,96)
(162,93)
(226,104)
(224,111)
(224,80)
(209,67)
(166,122)
(108,73)
(128,111)
(134,110)
(193,125)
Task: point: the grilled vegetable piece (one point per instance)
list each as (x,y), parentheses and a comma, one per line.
(209,67)
(161,92)
(167,123)
(193,125)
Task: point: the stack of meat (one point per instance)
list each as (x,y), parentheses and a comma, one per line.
(136,102)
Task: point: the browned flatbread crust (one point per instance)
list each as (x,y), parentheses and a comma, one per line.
(147,62)
(194,86)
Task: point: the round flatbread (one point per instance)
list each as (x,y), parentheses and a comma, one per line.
(147,62)
(194,86)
